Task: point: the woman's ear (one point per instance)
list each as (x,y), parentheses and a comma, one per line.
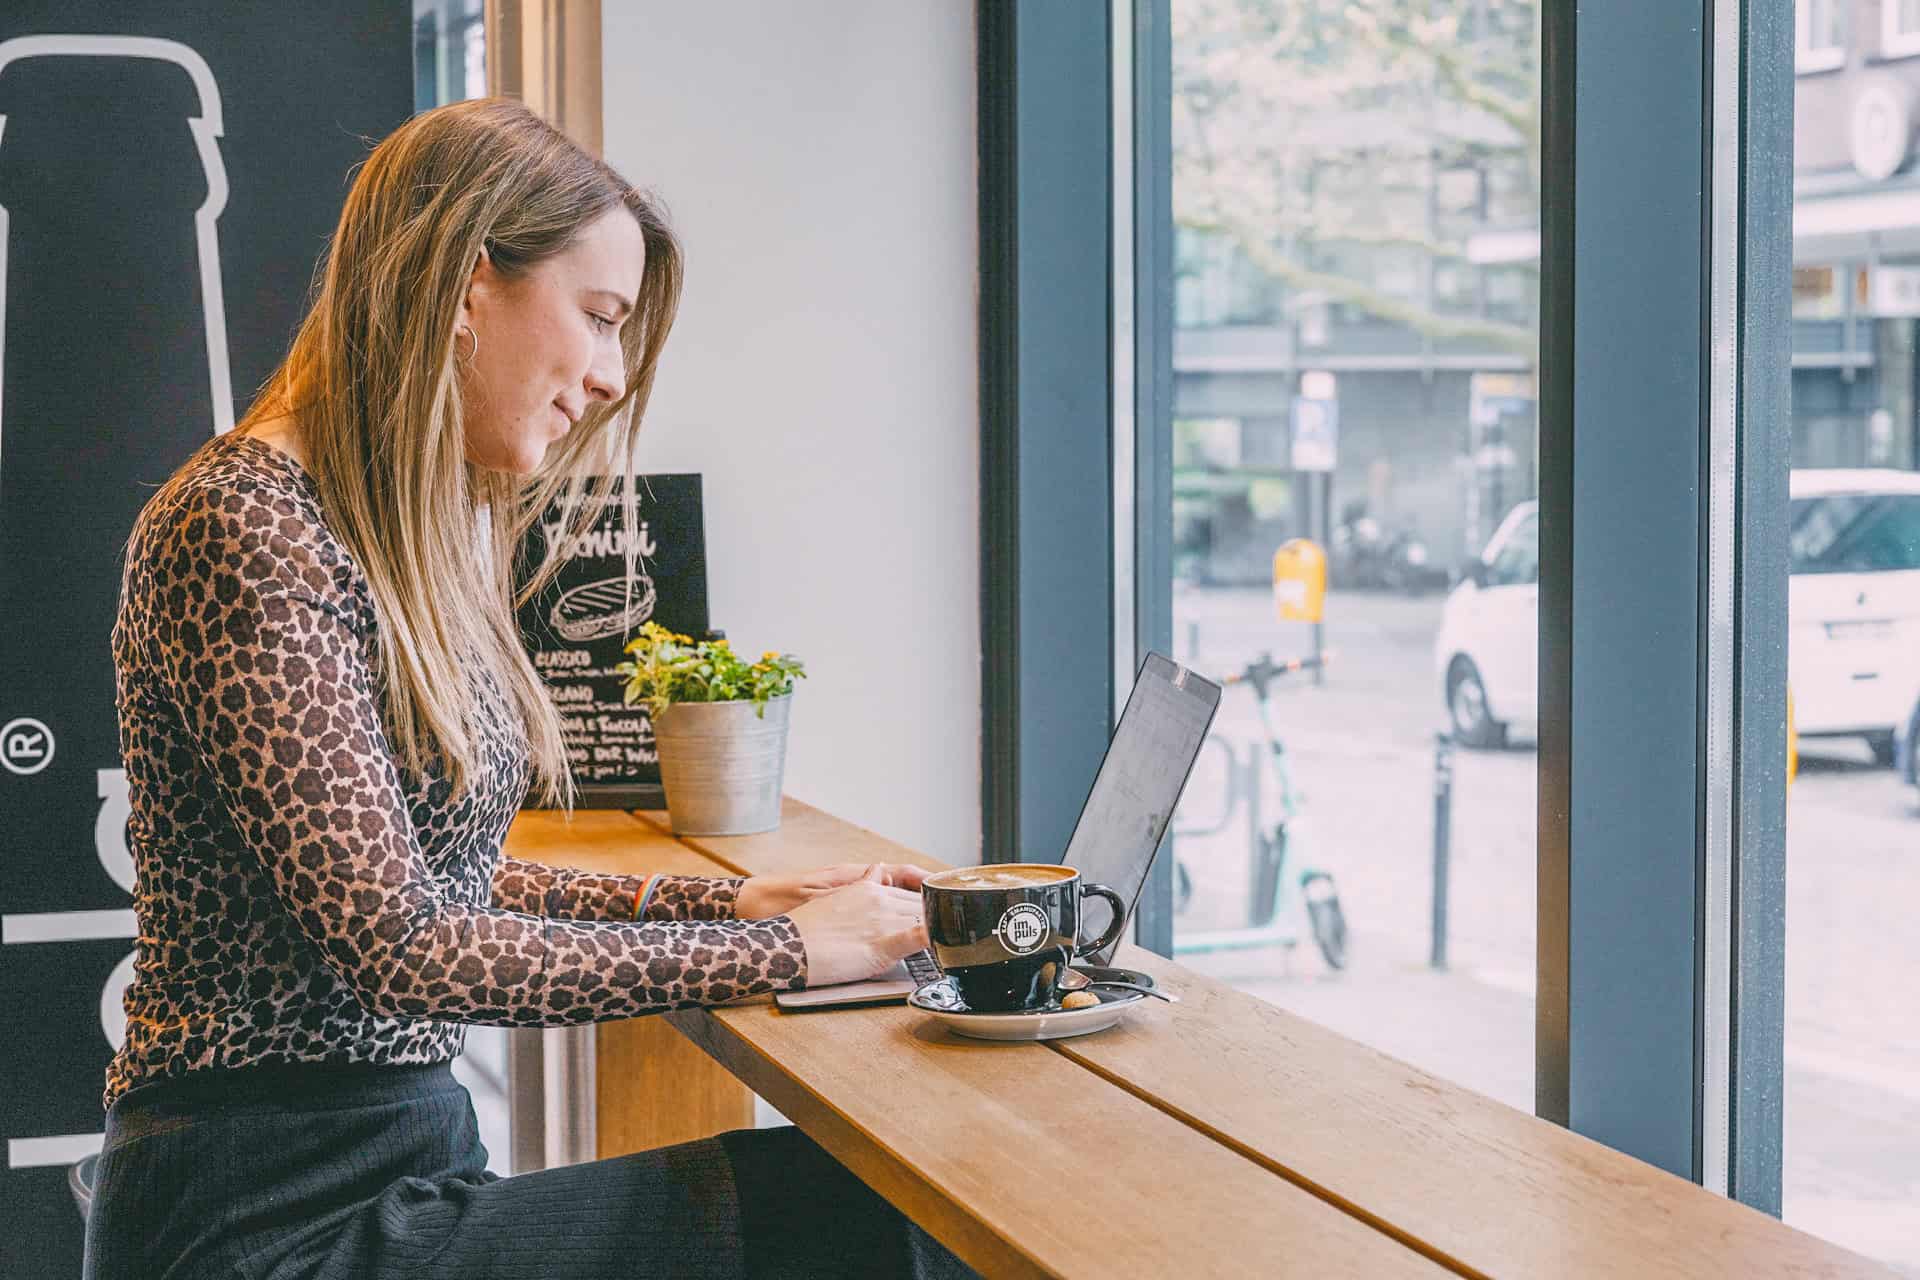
(481,279)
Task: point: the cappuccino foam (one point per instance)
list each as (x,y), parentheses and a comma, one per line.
(1001,875)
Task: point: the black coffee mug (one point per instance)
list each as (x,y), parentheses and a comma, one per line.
(1005,931)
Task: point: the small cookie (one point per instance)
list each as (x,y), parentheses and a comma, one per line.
(1079,1000)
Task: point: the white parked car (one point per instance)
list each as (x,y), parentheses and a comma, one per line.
(1488,650)
(1853,614)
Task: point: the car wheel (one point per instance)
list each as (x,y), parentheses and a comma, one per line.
(1881,744)
(1473,722)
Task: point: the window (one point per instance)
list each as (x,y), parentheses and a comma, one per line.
(1899,28)
(1757,1031)
(1354,161)
(1820,40)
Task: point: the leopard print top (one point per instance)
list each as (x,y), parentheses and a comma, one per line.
(298,897)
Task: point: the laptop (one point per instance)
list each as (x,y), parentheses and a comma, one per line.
(1121,825)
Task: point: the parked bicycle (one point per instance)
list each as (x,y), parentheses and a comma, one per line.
(1279,896)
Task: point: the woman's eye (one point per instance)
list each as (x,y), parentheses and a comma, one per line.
(600,323)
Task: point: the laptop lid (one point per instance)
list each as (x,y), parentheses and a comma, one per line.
(1147,764)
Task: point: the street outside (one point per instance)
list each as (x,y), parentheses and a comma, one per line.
(1362,752)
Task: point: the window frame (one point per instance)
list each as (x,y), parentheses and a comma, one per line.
(1764,328)
(1707,1047)
(1046,420)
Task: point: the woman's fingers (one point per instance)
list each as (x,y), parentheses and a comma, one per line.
(904,942)
(898,902)
(899,875)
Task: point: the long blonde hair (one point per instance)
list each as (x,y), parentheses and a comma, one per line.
(372,380)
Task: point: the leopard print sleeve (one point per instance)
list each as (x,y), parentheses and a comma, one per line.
(536,889)
(265,659)
(566,894)
(691,898)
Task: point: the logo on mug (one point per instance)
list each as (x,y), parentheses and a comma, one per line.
(1023,928)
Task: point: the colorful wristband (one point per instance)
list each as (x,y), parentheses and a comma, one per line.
(645,896)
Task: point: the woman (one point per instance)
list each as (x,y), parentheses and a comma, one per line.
(328,723)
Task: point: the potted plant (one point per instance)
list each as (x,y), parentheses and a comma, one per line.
(720,725)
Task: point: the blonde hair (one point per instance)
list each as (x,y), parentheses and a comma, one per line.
(372,380)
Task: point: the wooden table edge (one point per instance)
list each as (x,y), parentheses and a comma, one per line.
(1273,1165)
(911,1191)
(843,1137)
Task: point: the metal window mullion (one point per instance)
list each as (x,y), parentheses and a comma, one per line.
(1665,366)
(1046,388)
(1719,469)
(1121,318)
(1757,933)
(1150,192)
(1622,436)
(1559,229)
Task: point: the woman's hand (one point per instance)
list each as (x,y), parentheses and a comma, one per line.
(764,896)
(859,929)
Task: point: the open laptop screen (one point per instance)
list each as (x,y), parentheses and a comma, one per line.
(1138,787)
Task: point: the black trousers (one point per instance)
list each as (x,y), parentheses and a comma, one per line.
(309,1172)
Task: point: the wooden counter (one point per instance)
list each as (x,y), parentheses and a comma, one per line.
(1221,1136)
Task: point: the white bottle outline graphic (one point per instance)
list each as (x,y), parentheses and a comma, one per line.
(109,833)
(207,128)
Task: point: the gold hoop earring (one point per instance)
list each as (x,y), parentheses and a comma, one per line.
(469,331)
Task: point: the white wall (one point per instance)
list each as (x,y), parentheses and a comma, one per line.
(818,162)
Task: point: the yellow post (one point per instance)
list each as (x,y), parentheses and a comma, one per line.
(1299,581)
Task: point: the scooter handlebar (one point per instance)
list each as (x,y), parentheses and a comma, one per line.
(1266,668)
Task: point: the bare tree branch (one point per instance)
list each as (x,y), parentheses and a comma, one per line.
(1324,123)
(1515,339)
(1448,61)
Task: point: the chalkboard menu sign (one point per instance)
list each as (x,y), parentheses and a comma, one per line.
(577,628)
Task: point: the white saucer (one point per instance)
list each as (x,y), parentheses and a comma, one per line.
(943,1001)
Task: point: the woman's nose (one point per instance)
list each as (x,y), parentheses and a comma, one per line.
(607,375)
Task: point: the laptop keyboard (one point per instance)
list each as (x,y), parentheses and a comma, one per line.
(922,969)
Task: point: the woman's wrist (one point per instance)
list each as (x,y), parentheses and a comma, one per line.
(665,897)
(776,955)
(754,901)
(796,945)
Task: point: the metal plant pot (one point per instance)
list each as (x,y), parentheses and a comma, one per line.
(723,765)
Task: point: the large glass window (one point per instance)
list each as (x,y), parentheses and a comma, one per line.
(1356,200)
(1356,203)
(1851,1168)
(1820,32)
